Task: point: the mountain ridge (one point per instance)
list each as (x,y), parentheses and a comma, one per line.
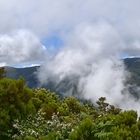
(30,75)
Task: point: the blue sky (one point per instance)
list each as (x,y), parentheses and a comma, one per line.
(52,40)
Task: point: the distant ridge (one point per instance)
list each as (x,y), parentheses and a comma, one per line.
(30,76)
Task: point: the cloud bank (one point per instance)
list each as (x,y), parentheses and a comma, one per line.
(45,16)
(20,47)
(95,34)
(91,62)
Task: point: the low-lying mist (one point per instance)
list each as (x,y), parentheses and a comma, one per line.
(89,66)
(96,35)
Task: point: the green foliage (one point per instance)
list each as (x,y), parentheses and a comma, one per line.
(83,131)
(15,102)
(73,104)
(38,114)
(105,108)
(89,130)
(2,72)
(127,118)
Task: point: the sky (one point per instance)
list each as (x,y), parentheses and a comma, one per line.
(79,39)
(53,21)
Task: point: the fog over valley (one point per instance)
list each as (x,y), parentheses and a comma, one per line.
(95,36)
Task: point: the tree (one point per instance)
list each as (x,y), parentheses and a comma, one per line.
(2,72)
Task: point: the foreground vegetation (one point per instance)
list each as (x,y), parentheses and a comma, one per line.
(38,114)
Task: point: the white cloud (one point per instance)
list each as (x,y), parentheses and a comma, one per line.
(91,55)
(48,15)
(95,33)
(19,47)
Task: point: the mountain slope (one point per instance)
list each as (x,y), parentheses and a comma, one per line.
(69,84)
(28,73)
(133,66)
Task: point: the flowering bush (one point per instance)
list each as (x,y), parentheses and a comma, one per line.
(37,127)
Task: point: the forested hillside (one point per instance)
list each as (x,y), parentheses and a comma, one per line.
(133,66)
(38,114)
(70,83)
(28,73)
